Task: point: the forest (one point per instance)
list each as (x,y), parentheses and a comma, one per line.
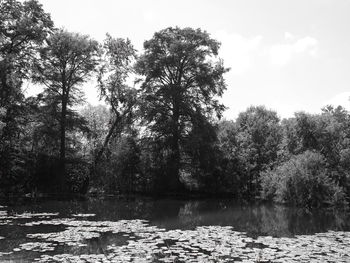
(159,129)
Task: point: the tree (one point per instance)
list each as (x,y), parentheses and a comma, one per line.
(231,163)
(2,124)
(115,69)
(66,62)
(97,118)
(258,139)
(23,29)
(182,80)
(327,133)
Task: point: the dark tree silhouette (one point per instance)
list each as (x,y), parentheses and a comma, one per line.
(66,62)
(181,82)
(116,67)
(23,28)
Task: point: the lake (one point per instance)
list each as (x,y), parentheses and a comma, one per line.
(169,230)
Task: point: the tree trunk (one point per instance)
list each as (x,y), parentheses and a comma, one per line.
(63,143)
(106,141)
(174,183)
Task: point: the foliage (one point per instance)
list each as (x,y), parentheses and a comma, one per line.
(250,145)
(97,118)
(180,86)
(259,136)
(78,176)
(113,73)
(119,171)
(304,180)
(328,133)
(203,156)
(66,61)
(23,29)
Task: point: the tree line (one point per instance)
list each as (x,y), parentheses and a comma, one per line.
(159,129)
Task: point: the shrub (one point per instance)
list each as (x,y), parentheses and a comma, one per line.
(118,170)
(304,180)
(77,176)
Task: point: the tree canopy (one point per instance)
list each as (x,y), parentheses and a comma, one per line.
(113,73)
(182,80)
(66,61)
(23,29)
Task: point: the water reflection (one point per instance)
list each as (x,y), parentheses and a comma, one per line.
(256,220)
(45,228)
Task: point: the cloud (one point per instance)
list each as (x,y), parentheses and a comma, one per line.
(306,44)
(288,36)
(282,54)
(242,53)
(148,15)
(239,52)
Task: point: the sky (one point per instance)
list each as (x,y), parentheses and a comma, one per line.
(287,55)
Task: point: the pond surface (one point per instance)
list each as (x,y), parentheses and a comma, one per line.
(169,230)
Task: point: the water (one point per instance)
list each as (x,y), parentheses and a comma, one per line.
(169,230)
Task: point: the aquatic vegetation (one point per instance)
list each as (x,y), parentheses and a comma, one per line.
(219,244)
(73,236)
(147,243)
(36,246)
(84,215)
(5,253)
(5,222)
(49,238)
(73,258)
(4,215)
(31,215)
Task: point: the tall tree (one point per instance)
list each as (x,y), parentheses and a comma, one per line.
(66,62)
(116,67)
(258,138)
(182,78)
(23,28)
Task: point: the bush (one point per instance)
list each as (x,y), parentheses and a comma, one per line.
(77,176)
(304,180)
(118,170)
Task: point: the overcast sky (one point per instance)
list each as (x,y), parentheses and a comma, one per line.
(287,55)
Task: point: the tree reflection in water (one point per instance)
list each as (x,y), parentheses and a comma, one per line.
(26,224)
(256,220)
